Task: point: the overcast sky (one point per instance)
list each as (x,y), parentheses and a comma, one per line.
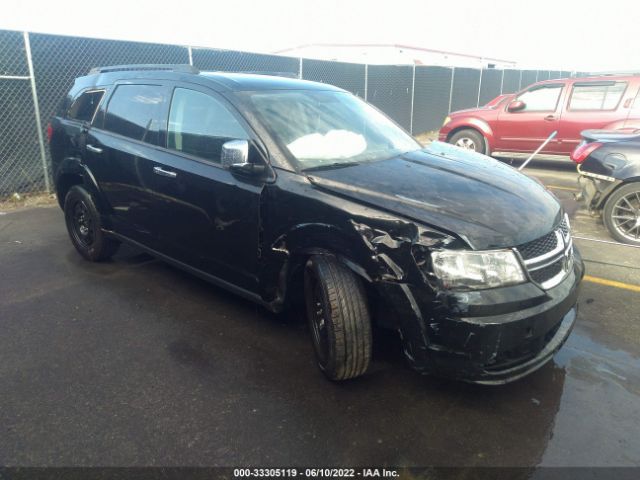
(552,34)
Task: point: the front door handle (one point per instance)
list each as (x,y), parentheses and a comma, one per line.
(550,118)
(93,149)
(164,173)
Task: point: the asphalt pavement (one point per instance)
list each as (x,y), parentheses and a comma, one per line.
(135,363)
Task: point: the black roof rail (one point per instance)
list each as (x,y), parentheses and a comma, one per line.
(256,72)
(149,66)
(273,74)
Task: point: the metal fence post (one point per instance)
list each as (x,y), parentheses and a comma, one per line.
(479,87)
(366,82)
(413,92)
(520,81)
(36,109)
(300,68)
(453,76)
(502,82)
(190,55)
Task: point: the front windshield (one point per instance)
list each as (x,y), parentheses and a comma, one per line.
(329,129)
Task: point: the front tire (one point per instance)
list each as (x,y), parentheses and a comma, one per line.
(621,214)
(469,139)
(85,228)
(339,318)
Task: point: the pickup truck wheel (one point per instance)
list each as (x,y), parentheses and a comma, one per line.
(621,214)
(469,139)
(84,227)
(338,316)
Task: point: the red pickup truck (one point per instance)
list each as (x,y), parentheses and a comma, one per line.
(520,122)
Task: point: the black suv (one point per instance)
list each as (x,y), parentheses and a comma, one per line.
(278,189)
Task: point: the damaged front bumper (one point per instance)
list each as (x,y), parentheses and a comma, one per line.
(491,337)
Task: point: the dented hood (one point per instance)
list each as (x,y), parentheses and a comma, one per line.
(484,202)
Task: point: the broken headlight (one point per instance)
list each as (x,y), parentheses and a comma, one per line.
(477,270)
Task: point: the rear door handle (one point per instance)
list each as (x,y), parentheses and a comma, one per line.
(164,173)
(93,149)
(550,118)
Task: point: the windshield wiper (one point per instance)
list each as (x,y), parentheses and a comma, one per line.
(330,166)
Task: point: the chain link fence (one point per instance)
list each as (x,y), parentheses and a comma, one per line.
(21,167)
(37,70)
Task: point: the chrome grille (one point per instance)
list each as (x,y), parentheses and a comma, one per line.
(545,273)
(564,226)
(539,247)
(549,259)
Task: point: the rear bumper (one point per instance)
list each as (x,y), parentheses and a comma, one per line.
(491,337)
(594,189)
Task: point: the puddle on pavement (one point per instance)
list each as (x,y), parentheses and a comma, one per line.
(598,419)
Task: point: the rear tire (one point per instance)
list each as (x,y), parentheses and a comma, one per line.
(621,214)
(339,318)
(85,227)
(469,139)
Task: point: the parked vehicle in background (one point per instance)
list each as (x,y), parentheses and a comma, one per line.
(519,123)
(609,167)
(280,189)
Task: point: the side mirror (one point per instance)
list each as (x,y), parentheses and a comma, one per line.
(235,158)
(233,152)
(516,106)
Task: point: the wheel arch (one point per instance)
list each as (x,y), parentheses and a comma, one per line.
(627,181)
(479,126)
(73,172)
(68,174)
(291,251)
(300,258)
(64,183)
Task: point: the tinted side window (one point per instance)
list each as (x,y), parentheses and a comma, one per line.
(199,124)
(542,98)
(84,107)
(590,96)
(136,111)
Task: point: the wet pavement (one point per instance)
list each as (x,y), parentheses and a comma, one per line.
(133,362)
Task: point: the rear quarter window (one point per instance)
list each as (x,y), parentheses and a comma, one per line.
(596,96)
(84,107)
